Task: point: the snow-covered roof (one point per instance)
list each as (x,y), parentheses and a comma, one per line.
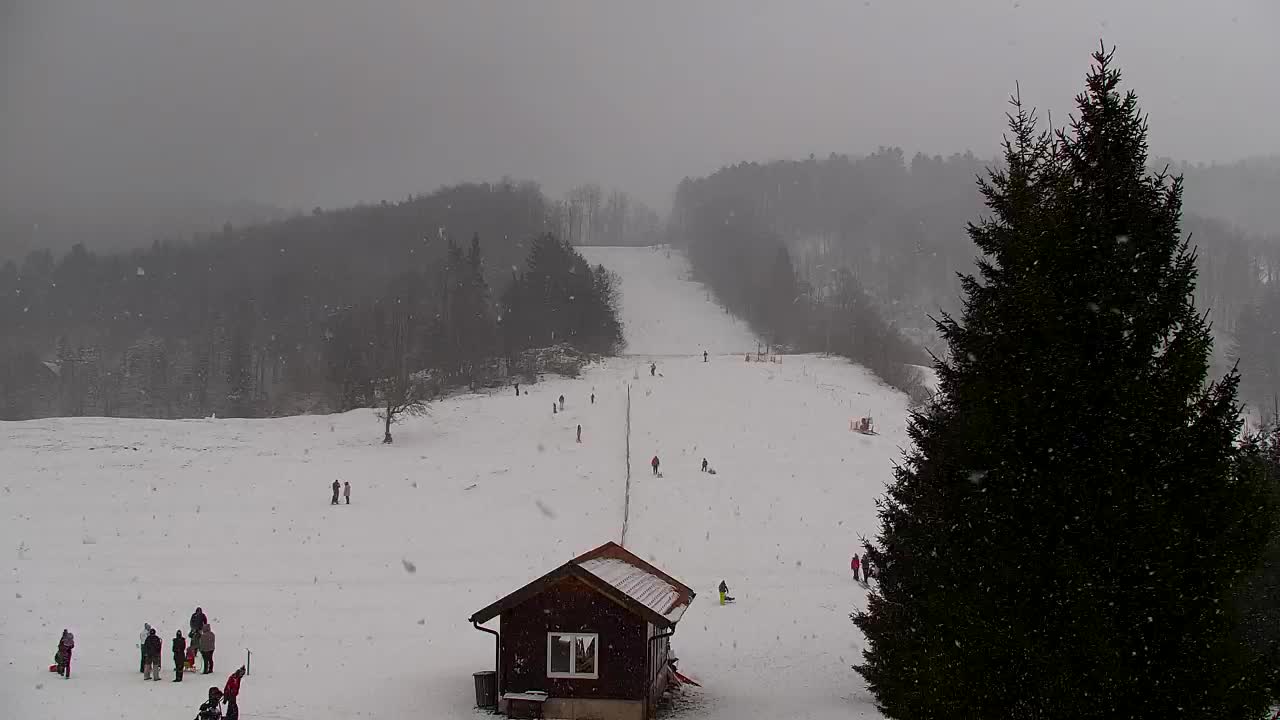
(643,588)
(639,584)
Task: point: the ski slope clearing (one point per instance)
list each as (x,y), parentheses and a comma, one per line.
(360,610)
(663,311)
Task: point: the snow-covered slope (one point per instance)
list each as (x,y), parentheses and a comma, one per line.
(665,313)
(361,611)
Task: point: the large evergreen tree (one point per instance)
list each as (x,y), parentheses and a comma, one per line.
(1066,536)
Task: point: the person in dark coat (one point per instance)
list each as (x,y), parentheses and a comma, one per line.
(151,648)
(654,464)
(179,655)
(724,593)
(211,709)
(653,369)
(198,621)
(579,433)
(206,649)
(593,398)
(62,658)
(517,389)
(142,638)
(337,487)
(562,402)
(704,356)
(231,694)
(704,464)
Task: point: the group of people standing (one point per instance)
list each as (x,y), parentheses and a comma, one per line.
(345,488)
(863,565)
(201,640)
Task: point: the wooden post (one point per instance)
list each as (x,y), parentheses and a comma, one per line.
(248,659)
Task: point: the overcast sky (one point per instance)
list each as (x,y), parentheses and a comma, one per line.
(329,102)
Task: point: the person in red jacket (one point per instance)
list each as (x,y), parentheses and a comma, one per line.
(654,464)
(231,692)
(853,565)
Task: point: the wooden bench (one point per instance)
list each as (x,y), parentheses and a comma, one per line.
(525,704)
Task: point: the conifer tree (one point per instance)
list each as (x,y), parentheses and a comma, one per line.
(1066,536)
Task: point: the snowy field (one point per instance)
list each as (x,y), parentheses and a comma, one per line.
(361,611)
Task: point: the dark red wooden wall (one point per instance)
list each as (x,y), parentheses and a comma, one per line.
(570,605)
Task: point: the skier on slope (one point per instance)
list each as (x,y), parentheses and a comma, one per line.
(654,464)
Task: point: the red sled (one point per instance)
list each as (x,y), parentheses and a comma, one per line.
(686,680)
(53,668)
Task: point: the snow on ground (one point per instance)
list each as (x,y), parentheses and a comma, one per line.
(663,311)
(361,611)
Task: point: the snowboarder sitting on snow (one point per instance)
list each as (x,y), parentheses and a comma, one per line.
(211,709)
(654,464)
(724,593)
(62,658)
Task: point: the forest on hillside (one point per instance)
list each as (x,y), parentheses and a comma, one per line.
(311,314)
(893,233)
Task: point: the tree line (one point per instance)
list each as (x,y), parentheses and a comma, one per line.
(1081,528)
(323,312)
(896,228)
(735,248)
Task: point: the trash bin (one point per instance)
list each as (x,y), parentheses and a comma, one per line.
(486,689)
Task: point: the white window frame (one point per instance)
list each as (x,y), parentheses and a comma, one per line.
(573,655)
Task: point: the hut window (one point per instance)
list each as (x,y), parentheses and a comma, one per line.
(573,655)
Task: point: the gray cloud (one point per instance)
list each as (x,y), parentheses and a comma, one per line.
(315,102)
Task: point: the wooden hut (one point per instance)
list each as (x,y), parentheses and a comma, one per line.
(591,636)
